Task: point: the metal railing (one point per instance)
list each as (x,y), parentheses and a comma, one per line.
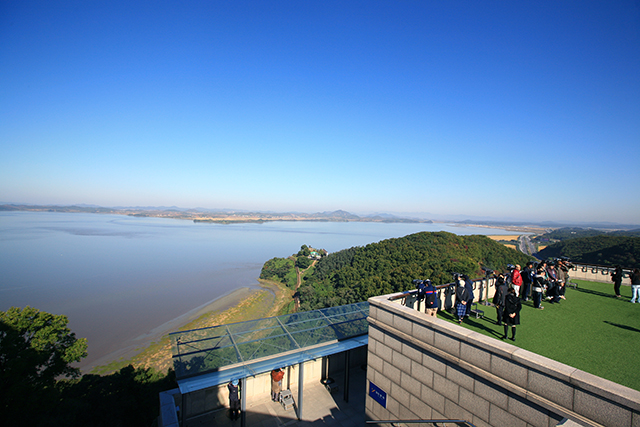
(482,284)
(598,268)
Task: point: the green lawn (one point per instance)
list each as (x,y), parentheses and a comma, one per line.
(591,330)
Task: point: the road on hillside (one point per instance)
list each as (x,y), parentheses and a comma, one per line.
(525,246)
(298,283)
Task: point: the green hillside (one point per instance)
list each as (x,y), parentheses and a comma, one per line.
(567,233)
(355,274)
(601,249)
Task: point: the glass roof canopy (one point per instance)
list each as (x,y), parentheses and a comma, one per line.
(255,346)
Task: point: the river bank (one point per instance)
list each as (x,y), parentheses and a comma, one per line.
(246,303)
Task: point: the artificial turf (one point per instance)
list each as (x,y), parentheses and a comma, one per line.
(591,330)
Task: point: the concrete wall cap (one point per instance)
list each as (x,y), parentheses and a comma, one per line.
(543,364)
(442,326)
(493,345)
(607,389)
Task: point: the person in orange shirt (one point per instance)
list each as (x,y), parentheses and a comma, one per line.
(276,384)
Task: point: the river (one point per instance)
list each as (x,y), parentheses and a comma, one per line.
(123,281)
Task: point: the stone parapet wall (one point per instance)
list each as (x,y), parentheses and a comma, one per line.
(483,290)
(432,369)
(596,273)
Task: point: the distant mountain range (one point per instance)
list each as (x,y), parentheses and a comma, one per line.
(239,215)
(209,215)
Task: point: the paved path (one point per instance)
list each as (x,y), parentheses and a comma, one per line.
(320,408)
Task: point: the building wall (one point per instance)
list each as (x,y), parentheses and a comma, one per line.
(259,386)
(433,369)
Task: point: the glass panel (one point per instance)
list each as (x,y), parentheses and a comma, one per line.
(316,336)
(203,350)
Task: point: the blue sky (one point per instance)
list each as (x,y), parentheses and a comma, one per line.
(520,110)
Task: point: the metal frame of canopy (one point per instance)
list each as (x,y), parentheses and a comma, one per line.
(209,357)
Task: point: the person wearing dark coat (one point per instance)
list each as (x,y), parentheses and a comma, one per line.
(234,398)
(539,284)
(553,290)
(499,296)
(468,284)
(462,297)
(430,299)
(616,277)
(527,280)
(511,315)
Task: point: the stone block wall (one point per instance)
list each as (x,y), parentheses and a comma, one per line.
(432,369)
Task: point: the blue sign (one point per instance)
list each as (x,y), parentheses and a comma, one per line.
(378,394)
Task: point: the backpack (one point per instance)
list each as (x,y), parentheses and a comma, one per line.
(431,299)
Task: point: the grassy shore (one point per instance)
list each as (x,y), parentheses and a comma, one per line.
(271,300)
(591,330)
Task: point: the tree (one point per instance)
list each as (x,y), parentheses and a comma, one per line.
(36,348)
(304,251)
(355,274)
(302,262)
(125,398)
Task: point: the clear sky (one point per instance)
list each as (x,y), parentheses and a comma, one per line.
(513,109)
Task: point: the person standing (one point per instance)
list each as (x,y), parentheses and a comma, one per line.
(468,284)
(635,285)
(553,294)
(563,274)
(234,398)
(511,316)
(616,277)
(539,283)
(527,280)
(462,297)
(430,298)
(499,296)
(516,279)
(276,384)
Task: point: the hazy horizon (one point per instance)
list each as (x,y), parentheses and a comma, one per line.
(401,215)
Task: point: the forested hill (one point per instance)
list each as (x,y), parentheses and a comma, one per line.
(567,233)
(355,274)
(602,249)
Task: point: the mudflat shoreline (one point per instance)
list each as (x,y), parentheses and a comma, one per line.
(153,350)
(138,345)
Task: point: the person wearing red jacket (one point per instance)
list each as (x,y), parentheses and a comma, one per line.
(516,280)
(276,384)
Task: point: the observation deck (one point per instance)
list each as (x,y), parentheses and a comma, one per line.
(388,361)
